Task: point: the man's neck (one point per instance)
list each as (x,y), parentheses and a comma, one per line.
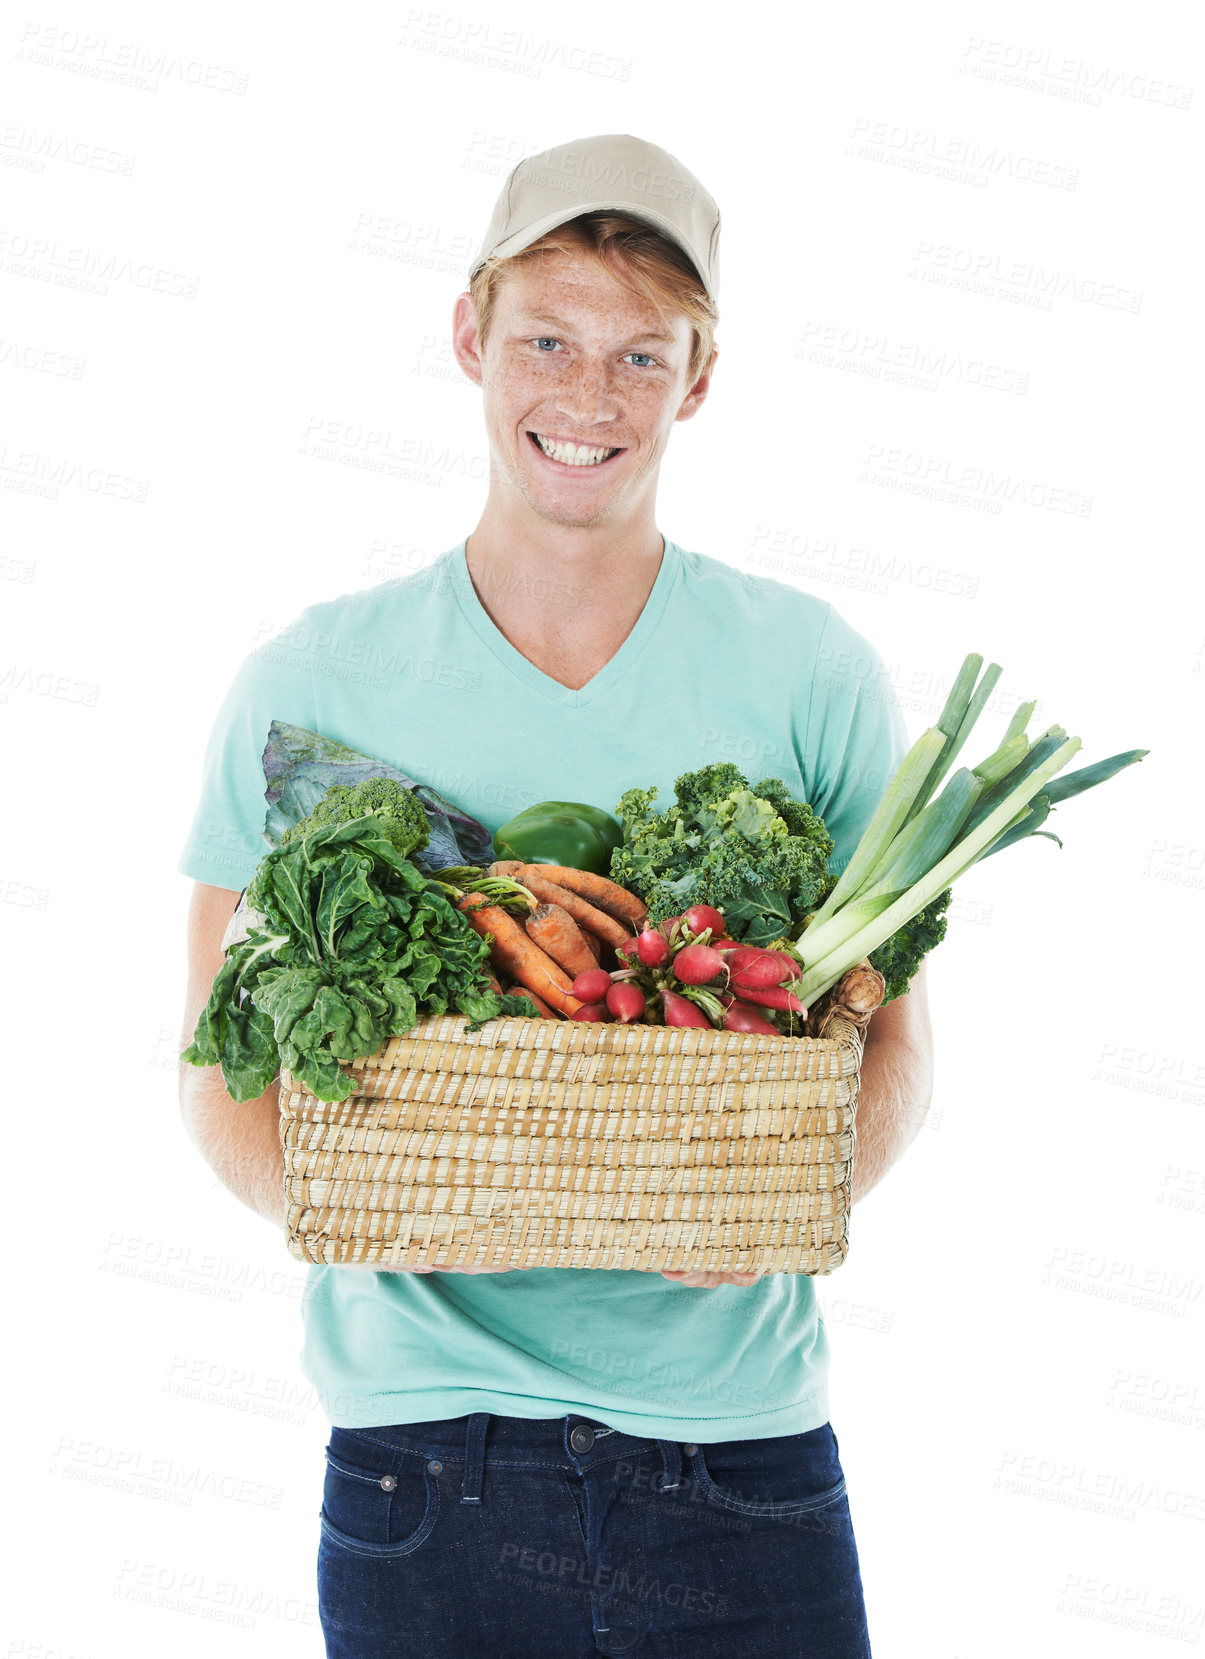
(564,597)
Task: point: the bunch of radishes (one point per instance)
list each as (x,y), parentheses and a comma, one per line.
(686,971)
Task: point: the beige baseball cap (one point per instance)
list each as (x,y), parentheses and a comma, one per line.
(612,170)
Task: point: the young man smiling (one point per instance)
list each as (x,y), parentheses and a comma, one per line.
(654,1449)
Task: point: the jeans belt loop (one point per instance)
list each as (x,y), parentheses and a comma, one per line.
(474,1457)
(671,1457)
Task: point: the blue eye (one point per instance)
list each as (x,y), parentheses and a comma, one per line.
(543,337)
(640,354)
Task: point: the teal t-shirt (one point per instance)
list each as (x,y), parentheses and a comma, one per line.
(720,665)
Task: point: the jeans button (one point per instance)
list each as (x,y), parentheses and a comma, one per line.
(690,1450)
(435,1466)
(581,1438)
(388,1482)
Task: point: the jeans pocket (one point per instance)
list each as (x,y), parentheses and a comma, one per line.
(376,1502)
(787,1474)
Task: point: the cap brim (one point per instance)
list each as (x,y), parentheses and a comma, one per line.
(532,233)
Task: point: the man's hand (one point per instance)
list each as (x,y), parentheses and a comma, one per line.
(707,1281)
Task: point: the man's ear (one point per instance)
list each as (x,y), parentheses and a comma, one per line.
(694,399)
(465,342)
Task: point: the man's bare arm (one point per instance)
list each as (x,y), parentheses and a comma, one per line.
(896,1085)
(239,1142)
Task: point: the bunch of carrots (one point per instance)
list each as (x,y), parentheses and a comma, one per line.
(578,921)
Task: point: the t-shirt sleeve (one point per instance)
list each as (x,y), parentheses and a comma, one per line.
(226,840)
(856,735)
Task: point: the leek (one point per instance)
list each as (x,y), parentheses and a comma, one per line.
(919,841)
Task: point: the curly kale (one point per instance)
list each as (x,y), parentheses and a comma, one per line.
(754,852)
(898,958)
(402,819)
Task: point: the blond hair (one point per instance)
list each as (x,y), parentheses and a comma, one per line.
(638,256)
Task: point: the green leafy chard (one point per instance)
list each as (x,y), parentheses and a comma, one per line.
(353,945)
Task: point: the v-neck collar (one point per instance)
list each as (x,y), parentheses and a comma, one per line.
(512,659)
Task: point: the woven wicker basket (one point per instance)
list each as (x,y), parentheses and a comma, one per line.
(560,1143)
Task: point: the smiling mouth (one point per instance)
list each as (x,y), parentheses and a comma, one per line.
(572,455)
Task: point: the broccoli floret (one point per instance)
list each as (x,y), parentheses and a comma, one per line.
(898,958)
(401,815)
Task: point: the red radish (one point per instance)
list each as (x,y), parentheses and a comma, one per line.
(626,1002)
(627,951)
(697,965)
(742,1016)
(773,996)
(681,1011)
(652,947)
(592,986)
(755,968)
(592,1011)
(702,916)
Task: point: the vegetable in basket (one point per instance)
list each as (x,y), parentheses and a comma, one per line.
(920,841)
(751,850)
(403,821)
(350,942)
(687,971)
(301,766)
(559,934)
(571,833)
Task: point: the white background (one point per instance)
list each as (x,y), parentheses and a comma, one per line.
(229,231)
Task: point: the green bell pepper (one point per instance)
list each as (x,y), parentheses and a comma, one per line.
(572,833)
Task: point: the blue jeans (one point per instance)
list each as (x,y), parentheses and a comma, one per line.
(490,1537)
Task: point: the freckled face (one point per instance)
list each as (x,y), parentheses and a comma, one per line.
(573,355)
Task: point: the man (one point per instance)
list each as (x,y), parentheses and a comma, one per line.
(550,1461)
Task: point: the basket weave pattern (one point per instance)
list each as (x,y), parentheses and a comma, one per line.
(561,1143)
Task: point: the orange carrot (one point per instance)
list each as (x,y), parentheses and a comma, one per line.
(593,943)
(583,913)
(520,956)
(601,892)
(556,932)
(506,867)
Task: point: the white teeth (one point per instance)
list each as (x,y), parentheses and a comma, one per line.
(575,455)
